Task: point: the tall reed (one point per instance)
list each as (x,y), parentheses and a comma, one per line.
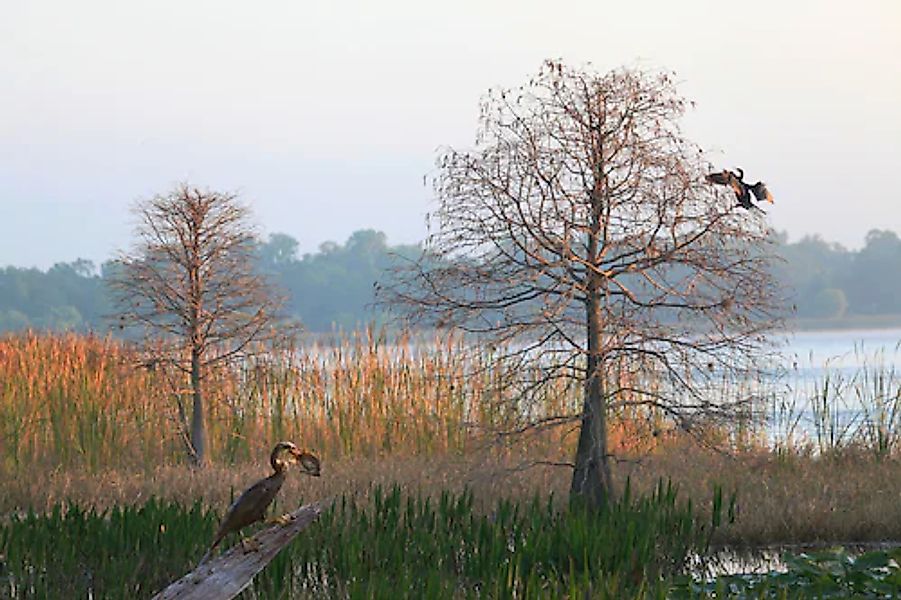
(78,401)
(389,546)
(91,403)
(838,409)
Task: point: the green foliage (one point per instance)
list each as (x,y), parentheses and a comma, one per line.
(828,574)
(390,546)
(829,281)
(334,286)
(68,297)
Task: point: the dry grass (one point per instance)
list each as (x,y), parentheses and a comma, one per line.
(809,501)
(801,500)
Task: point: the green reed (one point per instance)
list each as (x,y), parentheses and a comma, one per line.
(123,552)
(841,411)
(388,546)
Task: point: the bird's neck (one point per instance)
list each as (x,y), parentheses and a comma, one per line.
(278,466)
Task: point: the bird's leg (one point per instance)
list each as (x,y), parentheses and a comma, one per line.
(249,545)
(282,520)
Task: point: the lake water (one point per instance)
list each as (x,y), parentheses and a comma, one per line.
(833,388)
(842,357)
(844,348)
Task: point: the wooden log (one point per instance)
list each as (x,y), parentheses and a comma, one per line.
(226,576)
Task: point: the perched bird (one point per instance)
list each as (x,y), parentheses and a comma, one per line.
(251,506)
(741,189)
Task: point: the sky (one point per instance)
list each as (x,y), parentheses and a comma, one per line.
(325,116)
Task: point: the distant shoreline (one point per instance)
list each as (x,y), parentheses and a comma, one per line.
(855,322)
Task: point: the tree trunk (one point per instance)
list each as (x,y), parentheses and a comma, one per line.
(198,429)
(592,483)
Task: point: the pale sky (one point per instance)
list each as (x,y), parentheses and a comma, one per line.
(326,115)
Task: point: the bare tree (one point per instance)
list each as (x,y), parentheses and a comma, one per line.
(190,284)
(580,238)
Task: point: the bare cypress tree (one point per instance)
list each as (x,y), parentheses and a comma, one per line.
(580,238)
(190,284)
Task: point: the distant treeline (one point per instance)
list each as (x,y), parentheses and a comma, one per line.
(326,289)
(827,281)
(333,288)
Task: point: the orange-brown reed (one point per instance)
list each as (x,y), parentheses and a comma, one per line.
(69,400)
(95,403)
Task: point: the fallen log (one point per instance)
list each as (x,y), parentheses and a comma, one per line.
(225,576)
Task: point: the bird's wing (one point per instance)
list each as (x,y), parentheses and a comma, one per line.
(761,192)
(262,493)
(251,506)
(251,492)
(719,178)
(739,187)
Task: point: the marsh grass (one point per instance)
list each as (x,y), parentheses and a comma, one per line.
(92,403)
(86,419)
(389,544)
(840,410)
(808,500)
(75,552)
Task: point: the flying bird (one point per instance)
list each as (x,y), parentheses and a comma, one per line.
(741,189)
(251,506)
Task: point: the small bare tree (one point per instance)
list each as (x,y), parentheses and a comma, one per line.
(190,284)
(579,237)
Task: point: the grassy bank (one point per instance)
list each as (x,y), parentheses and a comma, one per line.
(804,501)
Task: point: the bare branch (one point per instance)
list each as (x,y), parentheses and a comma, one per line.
(191,288)
(580,234)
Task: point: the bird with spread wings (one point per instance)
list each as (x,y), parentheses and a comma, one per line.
(742,190)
